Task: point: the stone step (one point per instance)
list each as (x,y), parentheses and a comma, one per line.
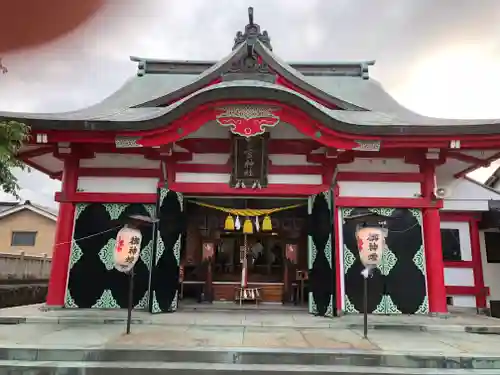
(331,324)
(181,368)
(247,356)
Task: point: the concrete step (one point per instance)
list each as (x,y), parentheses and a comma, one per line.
(181,368)
(247,356)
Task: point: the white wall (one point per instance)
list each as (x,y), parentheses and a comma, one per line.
(117,185)
(119,161)
(379,165)
(463,301)
(379,189)
(458,277)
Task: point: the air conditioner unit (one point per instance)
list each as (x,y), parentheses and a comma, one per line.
(442,192)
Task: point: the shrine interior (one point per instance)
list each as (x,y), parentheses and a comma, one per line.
(267,264)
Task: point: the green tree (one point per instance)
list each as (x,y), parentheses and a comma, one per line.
(12,136)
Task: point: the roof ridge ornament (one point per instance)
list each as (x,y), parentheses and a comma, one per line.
(252,34)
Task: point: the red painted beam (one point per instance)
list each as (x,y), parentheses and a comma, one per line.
(467,290)
(459,264)
(388,202)
(465,158)
(36,152)
(223,146)
(459,216)
(472,168)
(272,169)
(81,197)
(277,190)
(478,264)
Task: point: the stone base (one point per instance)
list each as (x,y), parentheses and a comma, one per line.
(484,311)
(46,307)
(445,315)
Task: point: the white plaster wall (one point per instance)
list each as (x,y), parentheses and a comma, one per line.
(272,178)
(202,177)
(465,205)
(119,161)
(117,185)
(280,159)
(464,301)
(464,237)
(491,271)
(458,277)
(379,189)
(379,165)
(220,159)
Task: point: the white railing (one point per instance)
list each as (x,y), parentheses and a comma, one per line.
(22,266)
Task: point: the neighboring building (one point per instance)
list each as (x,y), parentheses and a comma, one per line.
(494,180)
(27,227)
(185,140)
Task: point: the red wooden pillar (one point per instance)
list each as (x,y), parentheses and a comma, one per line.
(433,247)
(63,236)
(478,265)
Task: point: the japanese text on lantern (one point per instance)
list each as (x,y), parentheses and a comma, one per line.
(370,245)
(249,163)
(373,246)
(133,249)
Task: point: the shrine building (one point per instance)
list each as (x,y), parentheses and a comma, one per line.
(253,167)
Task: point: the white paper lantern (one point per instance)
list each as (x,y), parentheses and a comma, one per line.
(371,242)
(127,248)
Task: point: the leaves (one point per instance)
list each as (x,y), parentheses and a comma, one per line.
(12,136)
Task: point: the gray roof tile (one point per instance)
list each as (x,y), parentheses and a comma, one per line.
(368,108)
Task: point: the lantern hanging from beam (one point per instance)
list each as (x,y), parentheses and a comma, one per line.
(127,248)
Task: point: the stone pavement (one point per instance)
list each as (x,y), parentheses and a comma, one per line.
(198,336)
(105,346)
(239,329)
(240,338)
(458,321)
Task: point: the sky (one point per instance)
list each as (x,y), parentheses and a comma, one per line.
(438,58)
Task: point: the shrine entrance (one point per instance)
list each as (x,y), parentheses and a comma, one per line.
(245,250)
